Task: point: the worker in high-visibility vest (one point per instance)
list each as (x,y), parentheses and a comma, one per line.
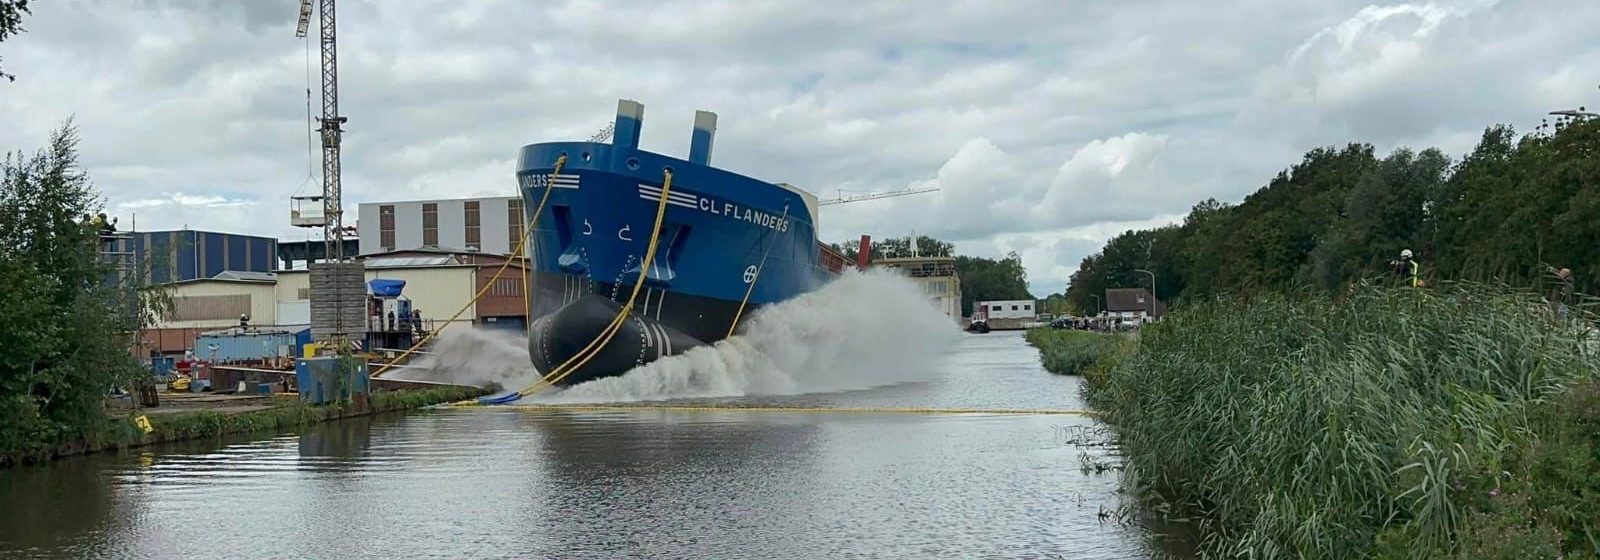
(1407,270)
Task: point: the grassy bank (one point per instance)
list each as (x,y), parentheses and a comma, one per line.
(1460,423)
(120,431)
(1068,352)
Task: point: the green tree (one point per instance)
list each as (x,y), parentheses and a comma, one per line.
(11,12)
(984,279)
(898,247)
(67,335)
(1512,210)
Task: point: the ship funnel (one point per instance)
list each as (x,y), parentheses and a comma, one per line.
(630,122)
(705,129)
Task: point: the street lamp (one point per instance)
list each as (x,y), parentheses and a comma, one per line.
(1097,304)
(1152,290)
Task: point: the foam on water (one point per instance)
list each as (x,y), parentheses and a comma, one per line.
(475,356)
(860,331)
(863,330)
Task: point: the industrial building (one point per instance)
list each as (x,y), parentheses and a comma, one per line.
(203,305)
(184,255)
(937,277)
(438,284)
(483,225)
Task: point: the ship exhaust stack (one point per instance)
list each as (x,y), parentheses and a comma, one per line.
(864,253)
(630,123)
(705,130)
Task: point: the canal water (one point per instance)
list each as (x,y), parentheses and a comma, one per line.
(499,483)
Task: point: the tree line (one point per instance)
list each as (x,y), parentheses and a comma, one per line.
(1513,210)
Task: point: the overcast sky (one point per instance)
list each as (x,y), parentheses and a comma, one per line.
(1048,125)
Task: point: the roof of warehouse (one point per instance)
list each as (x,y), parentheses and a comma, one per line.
(245,276)
(394,262)
(272,280)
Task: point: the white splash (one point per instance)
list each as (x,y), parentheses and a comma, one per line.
(860,331)
(474,356)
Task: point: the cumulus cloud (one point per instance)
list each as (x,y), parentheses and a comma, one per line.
(1046,128)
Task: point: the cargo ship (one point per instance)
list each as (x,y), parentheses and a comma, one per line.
(728,244)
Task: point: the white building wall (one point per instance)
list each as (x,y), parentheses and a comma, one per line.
(1009,309)
(263,303)
(493,233)
(291,283)
(436,291)
(367,229)
(407,226)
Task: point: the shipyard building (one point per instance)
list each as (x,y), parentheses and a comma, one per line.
(480,225)
(186,255)
(937,277)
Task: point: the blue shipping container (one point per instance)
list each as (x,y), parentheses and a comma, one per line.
(319,380)
(227,346)
(302,337)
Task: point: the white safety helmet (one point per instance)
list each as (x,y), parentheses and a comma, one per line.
(1405,253)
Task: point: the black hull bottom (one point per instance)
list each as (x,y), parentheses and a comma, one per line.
(670,324)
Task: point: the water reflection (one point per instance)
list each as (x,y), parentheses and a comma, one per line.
(505,483)
(38,505)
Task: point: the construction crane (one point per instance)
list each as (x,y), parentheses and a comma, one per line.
(337,293)
(841,198)
(332,127)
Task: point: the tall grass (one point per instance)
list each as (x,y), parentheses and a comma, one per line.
(1068,352)
(1383,424)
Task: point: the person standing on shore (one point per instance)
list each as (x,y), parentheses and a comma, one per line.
(1561,296)
(1406,269)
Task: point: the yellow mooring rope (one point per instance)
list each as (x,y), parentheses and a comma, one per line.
(757,276)
(600,341)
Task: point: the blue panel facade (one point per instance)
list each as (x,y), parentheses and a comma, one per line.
(238,253)
(188,264)
(189,255)
(262,254)
(212,251)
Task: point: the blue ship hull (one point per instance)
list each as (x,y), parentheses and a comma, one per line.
(721,233)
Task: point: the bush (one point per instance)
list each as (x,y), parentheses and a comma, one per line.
(1394,423)
(1068,352)
(65,337)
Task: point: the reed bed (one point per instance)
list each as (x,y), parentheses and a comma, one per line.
(1068,352)
(1390,423)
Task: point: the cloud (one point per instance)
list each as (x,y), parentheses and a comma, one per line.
(1047,128)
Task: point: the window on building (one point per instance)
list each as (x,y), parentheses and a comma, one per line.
(474,236)
(998,308)
(430,224)
(515,219)
(385,227)
(1013,308)
(1027,307)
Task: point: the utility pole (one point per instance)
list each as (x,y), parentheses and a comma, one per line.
(1098,305)
(1152,290)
